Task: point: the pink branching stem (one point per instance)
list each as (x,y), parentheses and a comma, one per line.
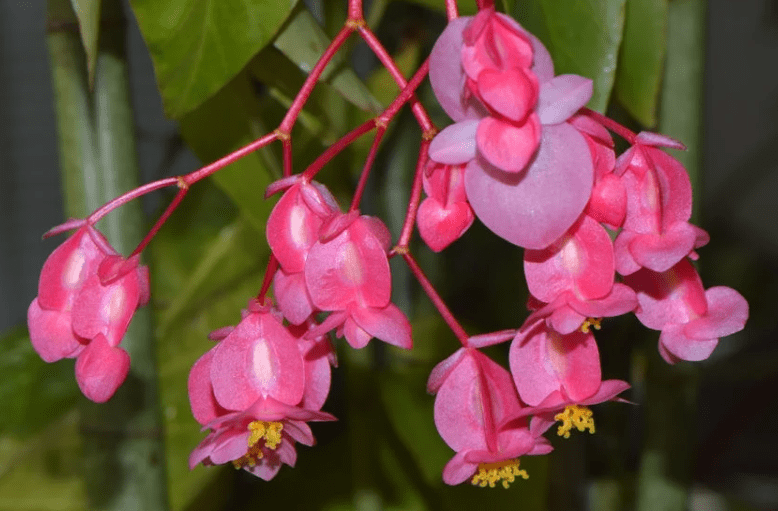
(270,271)
(305,91)
(161,220)
(337,147)
(451,9)
(387,61)
(415,198)
(234,156)
(287,145)
(446,314)
(379,135)
(610,124)
(127,197)
(355,11)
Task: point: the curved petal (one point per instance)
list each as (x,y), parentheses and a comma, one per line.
(388,324)
(447,76)
(456,144)
(201,399)
(534,208)
(508,146)
(292,296)
(51,333)
(101,369)
(727,314)
(563,96)
(677,343)
(457,470)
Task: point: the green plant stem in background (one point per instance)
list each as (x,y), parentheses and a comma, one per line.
(671,391)
(123,452)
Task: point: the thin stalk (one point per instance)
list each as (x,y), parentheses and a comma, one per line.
(123,452)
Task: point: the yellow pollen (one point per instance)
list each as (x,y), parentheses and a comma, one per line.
(490,473)
(270,432)
(590,323)
(576,416)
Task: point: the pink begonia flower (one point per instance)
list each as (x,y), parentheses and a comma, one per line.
(543,361)
(529,174)
(656,232)
(87,295)
(292,229)
(690,318)
(445,214)
(255,391)
(475,412)
(574,413)
(347,273)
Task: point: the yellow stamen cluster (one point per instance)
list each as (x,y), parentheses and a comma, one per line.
(270,432)
(576,416)
(590,323)
(490,473)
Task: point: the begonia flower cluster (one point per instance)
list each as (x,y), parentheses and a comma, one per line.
(603,235)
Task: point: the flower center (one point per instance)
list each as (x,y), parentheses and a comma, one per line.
(574,416)
(259,430)
(506,471)
(590,323)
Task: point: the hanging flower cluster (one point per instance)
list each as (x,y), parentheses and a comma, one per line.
(602,236)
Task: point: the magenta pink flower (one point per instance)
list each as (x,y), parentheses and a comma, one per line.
(656,233)
(87,295)
(475,413)
(445,214)
(690,318)
(543,361)
(255,391)
(529,174)
(347,273)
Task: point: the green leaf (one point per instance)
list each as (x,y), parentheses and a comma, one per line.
(583,37)
(642,56)
(197,46)
(467,8)
(88,14)
(231,119)
(303,41)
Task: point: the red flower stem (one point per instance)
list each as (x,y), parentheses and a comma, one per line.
(415,198)
(610,124)
(379,135)
(109,206)
(305,91)
(451,9)
(161,220)
(355,11)
(380,52)
(436,299)
(337,147)
(270,271)
(287,145)
(197,175)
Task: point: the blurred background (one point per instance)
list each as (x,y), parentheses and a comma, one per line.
(728,446)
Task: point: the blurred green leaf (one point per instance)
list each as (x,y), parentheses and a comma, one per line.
(42,474)
(88,14)
(639,74)
(467,8)
(230,119)
(33,393)
(583,37)
(303,41)
(197,46)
